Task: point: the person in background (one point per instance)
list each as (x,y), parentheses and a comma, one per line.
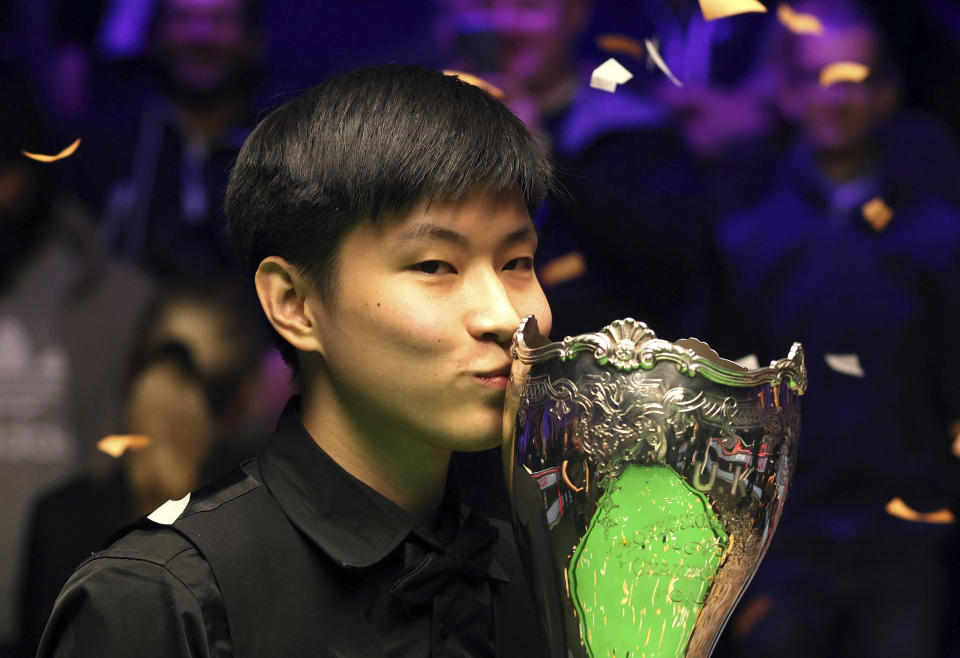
(159,174)
(626,233)
(629,236)
(67,316)
(856,253)
(193,392)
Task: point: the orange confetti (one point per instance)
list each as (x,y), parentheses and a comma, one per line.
(563,268)
(797,22)
(876,213)
(843,72)
(751,614)
(714,9)
(901,510)
(617,43)
(117,444)
(477,81)
(65,153)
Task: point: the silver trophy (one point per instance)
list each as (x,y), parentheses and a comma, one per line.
(646,478)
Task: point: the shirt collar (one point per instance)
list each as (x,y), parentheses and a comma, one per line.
(840,200)
(349,521)
(352,523)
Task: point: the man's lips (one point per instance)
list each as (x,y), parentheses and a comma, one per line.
(496,378)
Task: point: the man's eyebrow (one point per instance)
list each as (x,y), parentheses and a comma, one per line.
(425,232)
(525,234)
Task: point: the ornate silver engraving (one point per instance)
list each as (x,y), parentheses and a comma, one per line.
(618,418)
(618,455)
(629,345)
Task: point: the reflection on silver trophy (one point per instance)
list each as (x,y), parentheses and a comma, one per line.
(647,478)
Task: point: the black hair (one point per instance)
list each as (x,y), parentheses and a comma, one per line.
(371,145)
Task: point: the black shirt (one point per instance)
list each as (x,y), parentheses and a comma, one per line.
(66,526)
(420,592)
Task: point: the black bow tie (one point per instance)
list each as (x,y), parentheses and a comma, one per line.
(426,570)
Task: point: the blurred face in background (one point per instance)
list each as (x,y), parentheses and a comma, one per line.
(844,114)
(23,213)
(17,187)
(527,42)
(205,46)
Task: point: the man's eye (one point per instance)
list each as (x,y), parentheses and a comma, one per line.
(525,263)
(434,267)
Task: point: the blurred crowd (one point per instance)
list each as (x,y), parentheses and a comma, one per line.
(748,202)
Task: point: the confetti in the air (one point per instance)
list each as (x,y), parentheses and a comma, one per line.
(898,508)
(563,268)
(797,22)
(477,81)
(750,615)
(117,444)
(876,213)
(845,364)
(618,43)
(170,511)
(65,153)
(843,72)
(608,75)
(655,57)
(714,9)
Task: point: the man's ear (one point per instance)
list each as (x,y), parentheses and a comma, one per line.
(288,300)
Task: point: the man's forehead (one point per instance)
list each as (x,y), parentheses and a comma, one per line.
(479,218)
(853,43)
(204,6)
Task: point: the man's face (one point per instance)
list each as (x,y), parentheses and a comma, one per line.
(205,44)
(416,345)
(843,114)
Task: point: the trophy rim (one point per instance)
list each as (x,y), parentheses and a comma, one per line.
(628,345)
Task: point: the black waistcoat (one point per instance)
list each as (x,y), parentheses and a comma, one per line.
(285,597)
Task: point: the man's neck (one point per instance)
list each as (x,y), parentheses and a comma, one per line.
(411,473)
(842,165)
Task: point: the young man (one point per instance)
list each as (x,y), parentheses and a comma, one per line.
(386,215)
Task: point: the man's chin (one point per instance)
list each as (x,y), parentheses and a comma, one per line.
(200,90)
(478,443)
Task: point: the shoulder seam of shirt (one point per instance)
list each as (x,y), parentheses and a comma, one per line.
(139,556)
(216,587)
(204,505)
(173,575)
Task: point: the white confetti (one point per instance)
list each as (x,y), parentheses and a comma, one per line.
(608,75)
(170,511)
(846,364)
(654,53)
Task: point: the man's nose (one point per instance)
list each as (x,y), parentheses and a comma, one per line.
(491,314)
